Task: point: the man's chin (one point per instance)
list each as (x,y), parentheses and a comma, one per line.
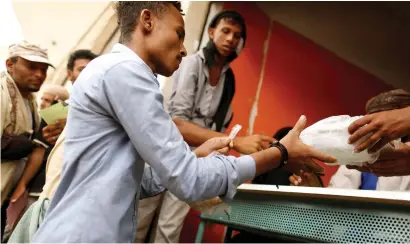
(33,89)
(169,72)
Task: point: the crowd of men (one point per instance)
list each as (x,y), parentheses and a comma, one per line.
(120,163)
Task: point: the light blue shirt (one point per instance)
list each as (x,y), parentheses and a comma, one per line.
(116,123)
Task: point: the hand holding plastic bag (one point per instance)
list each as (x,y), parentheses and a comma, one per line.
(330,136)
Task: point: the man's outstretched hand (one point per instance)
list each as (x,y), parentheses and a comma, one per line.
(384,127)
(390,163)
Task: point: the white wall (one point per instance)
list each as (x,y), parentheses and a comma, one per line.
(10,30)
(57,25)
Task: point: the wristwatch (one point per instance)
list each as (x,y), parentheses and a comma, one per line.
(283,152)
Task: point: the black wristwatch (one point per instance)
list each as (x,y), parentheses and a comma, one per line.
(283,152)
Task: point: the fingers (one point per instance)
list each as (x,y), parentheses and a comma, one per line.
(224,150)
(231,144)
(220,143)
(51,133)
(266,138)
(55,132)
(296,168)
(386,168)
(264,145)
(17,194)
(359,168)
(300,125)
(61,122)
(353,127)
(314,167)
(359,134)
(49,128)
(379,145)
(52,140)
(295,180)
(369,142)
(321,156)
(391,154)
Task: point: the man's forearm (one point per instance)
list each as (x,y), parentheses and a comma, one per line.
(266,160)
(193,134)
(406,111)
(33,165)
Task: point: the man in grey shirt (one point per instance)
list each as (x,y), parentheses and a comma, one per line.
(116,123)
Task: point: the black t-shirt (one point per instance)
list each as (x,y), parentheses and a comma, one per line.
(274,177)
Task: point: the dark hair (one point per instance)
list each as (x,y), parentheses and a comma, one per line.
(210,49)
(128,12)
(14,59)
(394,99)
(80,54)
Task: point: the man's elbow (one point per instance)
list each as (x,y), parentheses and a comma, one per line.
(185,192)
(179,122)
(187,196)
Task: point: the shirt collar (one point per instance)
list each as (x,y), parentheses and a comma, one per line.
(201,54)
(121,48)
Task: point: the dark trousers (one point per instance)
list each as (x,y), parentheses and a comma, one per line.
(3,217)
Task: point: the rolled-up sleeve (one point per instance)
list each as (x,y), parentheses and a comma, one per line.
(133,98)
(150,184)
(181,102)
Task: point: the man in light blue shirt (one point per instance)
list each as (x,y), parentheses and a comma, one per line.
(117,122)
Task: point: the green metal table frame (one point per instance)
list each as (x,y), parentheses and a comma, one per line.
(314,219)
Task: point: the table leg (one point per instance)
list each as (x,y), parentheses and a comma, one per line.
(228,235)
(200,233)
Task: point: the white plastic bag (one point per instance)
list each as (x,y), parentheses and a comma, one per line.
(330,136)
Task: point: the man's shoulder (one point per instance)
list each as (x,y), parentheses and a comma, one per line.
(109,61)
(106,67)
(192,62)
(196,57)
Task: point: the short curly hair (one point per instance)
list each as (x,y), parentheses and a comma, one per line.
(128,12)
(394,99)
(79,54)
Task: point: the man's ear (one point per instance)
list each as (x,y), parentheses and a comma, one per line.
(70,74)
(146,20)
(10,66)
(211,32)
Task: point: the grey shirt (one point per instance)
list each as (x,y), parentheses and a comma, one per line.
(117,122)
(193,98)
